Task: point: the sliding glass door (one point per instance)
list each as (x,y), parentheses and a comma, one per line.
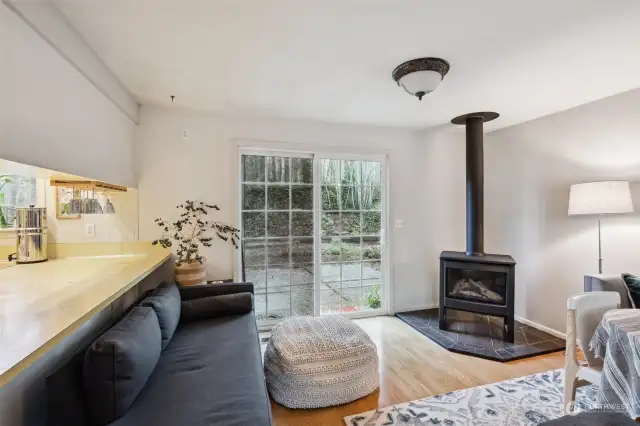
(351,232)
(312,234)
(277,233)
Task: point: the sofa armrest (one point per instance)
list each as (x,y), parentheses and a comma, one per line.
(216,306)
(206,290)
(615,283)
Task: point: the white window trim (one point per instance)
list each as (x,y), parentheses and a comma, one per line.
(287,149)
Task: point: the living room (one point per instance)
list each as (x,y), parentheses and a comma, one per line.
(360,155)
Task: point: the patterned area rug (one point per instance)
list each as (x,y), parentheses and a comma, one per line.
(526,401)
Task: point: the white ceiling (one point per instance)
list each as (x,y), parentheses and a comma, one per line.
(331,60)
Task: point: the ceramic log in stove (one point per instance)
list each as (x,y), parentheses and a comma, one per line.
(473,281)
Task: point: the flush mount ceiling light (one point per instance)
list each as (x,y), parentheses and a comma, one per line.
(420,76)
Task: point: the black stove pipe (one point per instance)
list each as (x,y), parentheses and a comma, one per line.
(475,178)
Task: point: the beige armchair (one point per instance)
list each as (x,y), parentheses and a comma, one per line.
(584,313)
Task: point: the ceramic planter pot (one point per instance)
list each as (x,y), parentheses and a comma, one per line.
(192,273)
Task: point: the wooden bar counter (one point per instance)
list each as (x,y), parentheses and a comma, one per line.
(41,304)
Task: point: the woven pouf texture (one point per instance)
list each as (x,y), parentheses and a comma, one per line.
(314,362)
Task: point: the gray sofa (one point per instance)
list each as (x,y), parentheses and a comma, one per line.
(209,373)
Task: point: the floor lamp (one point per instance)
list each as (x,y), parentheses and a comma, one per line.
(600,198)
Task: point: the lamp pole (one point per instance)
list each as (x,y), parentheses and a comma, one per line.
(599,248)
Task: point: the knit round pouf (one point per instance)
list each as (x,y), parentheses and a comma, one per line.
(314,362)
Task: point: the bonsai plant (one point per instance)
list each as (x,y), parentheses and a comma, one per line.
(191,232)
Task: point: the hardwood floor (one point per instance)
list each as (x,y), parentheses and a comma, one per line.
(413,367)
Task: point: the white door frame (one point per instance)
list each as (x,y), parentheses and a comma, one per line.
(384,262)
(385,241)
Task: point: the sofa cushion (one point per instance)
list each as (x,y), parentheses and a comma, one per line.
(206,290)
(608,283)
(216,306)
(165,301)
(118,364)
(633,287)
(210,374)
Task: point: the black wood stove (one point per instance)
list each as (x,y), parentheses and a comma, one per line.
(474,281)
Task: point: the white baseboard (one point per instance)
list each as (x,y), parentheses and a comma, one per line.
(541,327)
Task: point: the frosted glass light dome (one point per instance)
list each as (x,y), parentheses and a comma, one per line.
(421,76)
(420,83)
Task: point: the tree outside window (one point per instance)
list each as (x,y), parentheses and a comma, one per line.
(15,191)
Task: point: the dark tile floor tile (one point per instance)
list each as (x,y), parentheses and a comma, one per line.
(481,335)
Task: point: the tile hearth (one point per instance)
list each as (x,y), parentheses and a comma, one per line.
(481,335)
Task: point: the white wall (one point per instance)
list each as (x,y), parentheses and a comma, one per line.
(528,171)
(119,227)
(172,170)
(53,26)
(51,116)
(443,175)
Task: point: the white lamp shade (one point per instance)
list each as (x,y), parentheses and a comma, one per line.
(608,197)
(420,81)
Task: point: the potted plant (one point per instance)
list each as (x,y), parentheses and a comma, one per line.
(191,232)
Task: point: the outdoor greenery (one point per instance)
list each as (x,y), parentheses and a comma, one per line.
(373,297)
(15,191)
(277,222)
(350,185)
(257,168)
(4,180)
(191,232)
(301,197)
(372,252)
(350,197)
(351,252)
(330,223)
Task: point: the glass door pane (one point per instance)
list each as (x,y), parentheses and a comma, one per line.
(350,233)
(277,234)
